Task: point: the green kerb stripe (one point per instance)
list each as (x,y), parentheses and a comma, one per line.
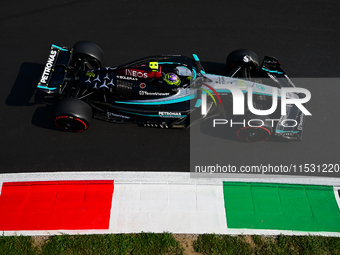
(281,207)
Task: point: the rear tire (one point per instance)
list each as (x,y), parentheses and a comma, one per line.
(73,115)
(89,53)
(243,58)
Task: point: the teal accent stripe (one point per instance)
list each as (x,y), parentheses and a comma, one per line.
(169,63)
(45,87)
(195,74)
(59,48)
(198,103)
(271,71)
(282,131)
(195,57)
(171,101)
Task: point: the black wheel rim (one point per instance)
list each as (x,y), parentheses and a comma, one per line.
(70,123)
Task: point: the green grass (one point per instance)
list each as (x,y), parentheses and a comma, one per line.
(16,245)
(223,244)
(150,243)
(113,244)
(144,243)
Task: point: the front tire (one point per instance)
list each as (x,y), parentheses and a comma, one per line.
(258,129)
(73,115)
(253,134)
(246,59)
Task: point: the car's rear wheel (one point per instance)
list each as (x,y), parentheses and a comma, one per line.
(87,54)
(73,115)
(246,59)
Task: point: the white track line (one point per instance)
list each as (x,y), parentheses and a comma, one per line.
(167,177)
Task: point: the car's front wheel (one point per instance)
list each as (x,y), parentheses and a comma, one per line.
(253,134)
(242,63)
(256,130)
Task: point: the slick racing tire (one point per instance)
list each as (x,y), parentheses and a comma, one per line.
(73,115)
(88,53)
(243,58)
(258,130)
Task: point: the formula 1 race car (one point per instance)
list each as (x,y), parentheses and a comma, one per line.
(167,91)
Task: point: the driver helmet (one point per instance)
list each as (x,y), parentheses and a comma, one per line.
(172,79)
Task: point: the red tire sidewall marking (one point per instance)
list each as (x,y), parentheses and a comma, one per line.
(67,117)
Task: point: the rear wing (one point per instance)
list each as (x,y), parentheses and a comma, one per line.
(54,73)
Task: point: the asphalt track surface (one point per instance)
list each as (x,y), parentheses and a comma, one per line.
(303,35)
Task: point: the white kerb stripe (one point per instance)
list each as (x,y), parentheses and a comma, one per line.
(337,195)
(176,208)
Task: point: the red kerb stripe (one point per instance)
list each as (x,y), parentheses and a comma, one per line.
(55,205)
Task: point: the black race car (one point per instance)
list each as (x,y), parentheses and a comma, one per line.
(167,91)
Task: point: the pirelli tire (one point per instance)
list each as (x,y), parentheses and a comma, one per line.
(257,129)
(89,53)
(73,115)
(243,58)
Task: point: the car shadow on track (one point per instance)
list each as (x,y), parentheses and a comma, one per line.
(43,117)
(24,93)
(25,85)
